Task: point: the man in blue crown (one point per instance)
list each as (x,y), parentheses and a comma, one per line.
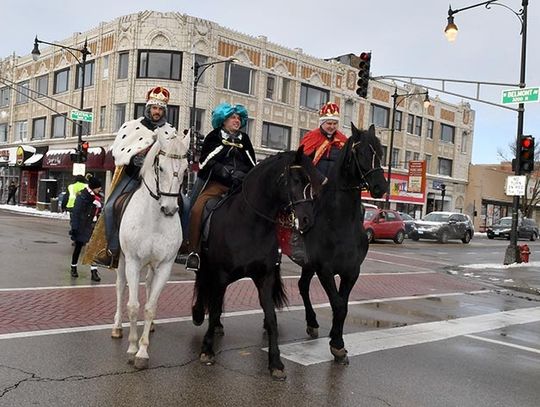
(226,156)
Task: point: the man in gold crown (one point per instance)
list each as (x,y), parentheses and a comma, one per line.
(129,149)
(323,143)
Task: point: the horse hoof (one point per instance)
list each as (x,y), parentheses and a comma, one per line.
(141,363)
(340,355)
(131,358)
(312,332)
(152,327)
(278,374)
(219,331)
(197,315)
(116,333)
(207,359)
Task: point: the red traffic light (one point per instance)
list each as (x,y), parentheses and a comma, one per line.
(365,56)
(85,145)
(526,142)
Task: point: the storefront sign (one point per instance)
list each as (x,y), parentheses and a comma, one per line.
(417,176)
(399,191)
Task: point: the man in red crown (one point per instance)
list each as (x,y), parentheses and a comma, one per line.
(323,143)
(129,149)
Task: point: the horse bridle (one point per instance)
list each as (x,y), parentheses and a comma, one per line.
(307,195)
(364,183)
(160,193)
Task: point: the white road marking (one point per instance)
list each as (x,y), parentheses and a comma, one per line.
(29,334)
(317,351)
(511,345)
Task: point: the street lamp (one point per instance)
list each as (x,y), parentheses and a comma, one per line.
(512,252)
(395,104)
(198,70)
(82,66)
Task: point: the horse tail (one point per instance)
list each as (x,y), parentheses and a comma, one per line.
(279,296)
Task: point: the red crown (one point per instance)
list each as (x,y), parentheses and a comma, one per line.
(158,95)
(329,111)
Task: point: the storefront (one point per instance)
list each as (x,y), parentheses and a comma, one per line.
(8,171)
(60,166)
(29,159)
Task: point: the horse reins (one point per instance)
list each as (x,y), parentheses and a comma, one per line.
(363,174)
(159,193)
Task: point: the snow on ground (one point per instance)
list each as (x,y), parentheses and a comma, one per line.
(500,266)
(35,212)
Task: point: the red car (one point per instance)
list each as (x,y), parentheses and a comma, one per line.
(384,224)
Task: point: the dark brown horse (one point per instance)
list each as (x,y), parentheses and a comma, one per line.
(242,243)
(337,244)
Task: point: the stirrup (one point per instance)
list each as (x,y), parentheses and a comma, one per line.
(193,262)
(106,258)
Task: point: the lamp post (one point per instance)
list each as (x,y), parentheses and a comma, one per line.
(82,66)
(198,70)
(512,252)
(395,104)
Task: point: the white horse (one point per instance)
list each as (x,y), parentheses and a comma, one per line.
(150,236)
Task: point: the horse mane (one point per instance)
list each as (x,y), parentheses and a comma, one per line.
(150,156)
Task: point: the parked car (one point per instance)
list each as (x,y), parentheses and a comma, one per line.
(384,224)
(443,226)
(409,223)
(527,229)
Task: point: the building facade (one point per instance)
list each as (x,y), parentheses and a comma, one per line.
(282,89)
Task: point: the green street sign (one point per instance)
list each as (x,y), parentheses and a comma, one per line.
(83,116)
(521,95)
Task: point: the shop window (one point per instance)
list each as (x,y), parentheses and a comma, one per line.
(276,137)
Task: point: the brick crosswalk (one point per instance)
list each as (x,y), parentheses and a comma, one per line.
(63,307)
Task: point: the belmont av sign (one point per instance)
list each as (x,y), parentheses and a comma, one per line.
(521,95)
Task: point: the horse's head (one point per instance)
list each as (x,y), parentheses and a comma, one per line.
(362,165)
(302,182)
(163,170)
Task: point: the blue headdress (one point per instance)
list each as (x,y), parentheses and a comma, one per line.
(225,110)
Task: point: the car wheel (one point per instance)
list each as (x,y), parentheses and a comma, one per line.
(369,234)
(467,238)
(533,237)
(443,237)
(490,237)
(398,238)
(415,237)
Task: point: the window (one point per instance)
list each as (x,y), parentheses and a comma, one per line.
(199,118)
(249,128)
(348,113)
(88,75)
(119,115)
(384,158)
(398,120)
(285,90)
(160,64)
(38,129)
(3,132)
(447,133)
(201,60)
(410,123)
(105,66)
(23,92)
(85,127)
(430,128)
(313,98)
(416,156)
(428,162)
(395,157)
(4,96)
(123,61)
(302,133)
(61,81)
(58,129)
(379,116)
(21,130)
(418,126)
(445,167)
(270,86)
(102,117)
(238,78)
(464,141)
(173,113)
(276,137)
(408,155)
(42,86)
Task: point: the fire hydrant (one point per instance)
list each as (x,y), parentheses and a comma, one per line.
(524,253)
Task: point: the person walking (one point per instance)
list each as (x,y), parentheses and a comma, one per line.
(12,190)
(84,216)
(73,190)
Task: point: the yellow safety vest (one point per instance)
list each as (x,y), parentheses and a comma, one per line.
(73,191)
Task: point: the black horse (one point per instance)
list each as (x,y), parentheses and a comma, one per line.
(242,242)
(337,244)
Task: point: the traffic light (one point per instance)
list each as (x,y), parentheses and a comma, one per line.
(526,154)
(84,151)
(363,74)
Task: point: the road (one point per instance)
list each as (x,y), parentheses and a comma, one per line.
(426,327)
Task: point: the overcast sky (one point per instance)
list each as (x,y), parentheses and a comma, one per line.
(405,37)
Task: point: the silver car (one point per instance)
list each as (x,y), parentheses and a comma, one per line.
(443,226)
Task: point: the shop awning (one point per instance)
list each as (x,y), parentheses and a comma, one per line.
(8,156)
(29,156)
(60,159)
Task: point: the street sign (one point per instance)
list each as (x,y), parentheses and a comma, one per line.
(515,185)
(521,95)
(80,115)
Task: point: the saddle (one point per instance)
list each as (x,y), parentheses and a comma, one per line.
(209,208)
